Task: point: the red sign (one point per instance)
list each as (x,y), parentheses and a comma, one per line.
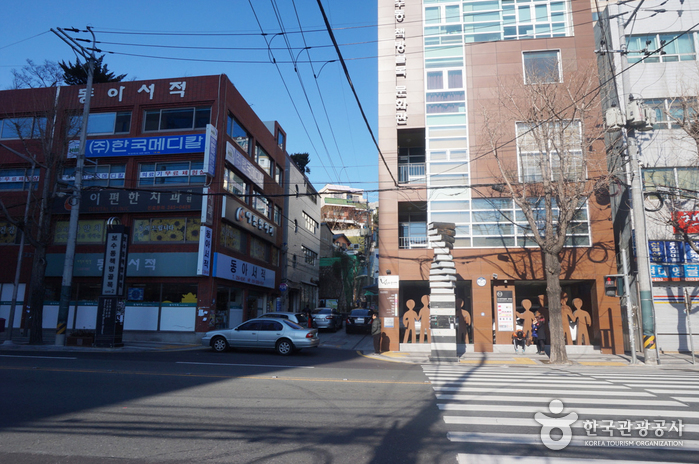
(687,221)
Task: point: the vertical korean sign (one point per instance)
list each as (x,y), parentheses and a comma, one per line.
(111,306)
(204,257)
(210,150)
(115,256)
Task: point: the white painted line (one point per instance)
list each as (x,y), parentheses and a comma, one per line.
(531,422)
(686,400)
(520,380)
(496,387)
(246,365)
(462,458)
(674,392)
(577,441)
(601,412)
(542,399)
(36,357)
(543,390)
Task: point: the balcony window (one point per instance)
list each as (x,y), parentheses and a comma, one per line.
(412,226)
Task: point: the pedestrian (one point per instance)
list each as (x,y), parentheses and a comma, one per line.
(309,316)
(540,336)
(520,339)
(376,332)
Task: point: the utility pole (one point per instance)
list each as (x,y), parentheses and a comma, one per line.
(66,285)
(645,285)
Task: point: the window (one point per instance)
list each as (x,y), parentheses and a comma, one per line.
(550,147)
(8,233)
(89,231)
(177,119)
(22,128)
(296,225)
(232,238)
(18,179)
(675,47)
(436,79)
(104,123)
(542,67)
(235,184)
(261,204)
(664,179)
(166,230)
(259,249)
(671,113)
(263,160)
(101,175)
(311,224)
(309,256)
(281,139)
(277,215)
(293,261)
(175,173)
(279,175)
(238,133)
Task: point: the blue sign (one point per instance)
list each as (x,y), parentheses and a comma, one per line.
(674,252)
(690,256)
(140,146)
(658,272)
(691,272)
(656,251)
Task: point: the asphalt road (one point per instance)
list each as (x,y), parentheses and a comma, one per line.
(319,406)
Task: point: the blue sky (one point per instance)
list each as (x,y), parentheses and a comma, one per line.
(233,45)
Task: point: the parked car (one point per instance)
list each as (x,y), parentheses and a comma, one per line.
(299,318)
(279,334)
(327,318)
(358,320)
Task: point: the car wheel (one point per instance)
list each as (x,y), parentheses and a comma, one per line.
(285,347)
(219,344)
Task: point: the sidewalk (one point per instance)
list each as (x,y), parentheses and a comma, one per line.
(667,360)
(364,346)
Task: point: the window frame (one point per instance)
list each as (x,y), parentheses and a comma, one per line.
(38,124)
(559,67)
(194,122)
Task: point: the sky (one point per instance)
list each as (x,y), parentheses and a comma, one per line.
(306,90)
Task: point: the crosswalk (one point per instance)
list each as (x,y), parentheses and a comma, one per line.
(567,415)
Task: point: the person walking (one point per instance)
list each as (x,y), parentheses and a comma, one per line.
(376,332)
(540,336)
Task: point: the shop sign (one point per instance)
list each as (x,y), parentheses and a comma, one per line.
(137,265)
(148,90)
(210,150)
(241,162)
(140,146)
(122,201)
(687,221)
(227,267)
(505,310)
(204,255)
(248,220)
(115,255)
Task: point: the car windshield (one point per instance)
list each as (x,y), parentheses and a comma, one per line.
(293,325)
(359,313)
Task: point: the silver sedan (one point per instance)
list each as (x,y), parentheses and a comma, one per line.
(282,335)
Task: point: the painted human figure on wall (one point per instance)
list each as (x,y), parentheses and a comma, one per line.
(464,322)
(567,317)
(425,332)
(409,319)
(528,317)
(583,319)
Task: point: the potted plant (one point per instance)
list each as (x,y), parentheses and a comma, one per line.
(80,337)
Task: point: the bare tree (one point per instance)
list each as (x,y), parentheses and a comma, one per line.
(555,170)
(32,75)
(34,127)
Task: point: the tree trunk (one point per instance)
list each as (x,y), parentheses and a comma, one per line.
(37,290)
(552,268)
